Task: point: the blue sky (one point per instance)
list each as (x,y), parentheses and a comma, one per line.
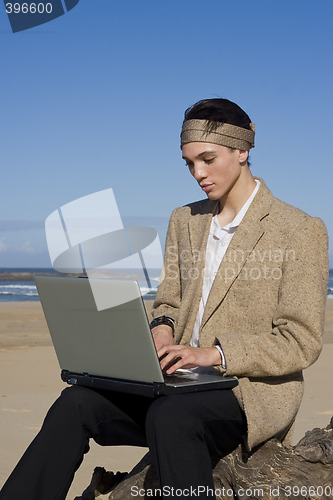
(95,99)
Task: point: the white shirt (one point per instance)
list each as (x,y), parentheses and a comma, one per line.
(218,241)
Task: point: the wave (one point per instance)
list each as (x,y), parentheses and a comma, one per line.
(18,290)
(29,287)
(26,290)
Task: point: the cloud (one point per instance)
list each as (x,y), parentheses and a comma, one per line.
(20,225)
(3,245)
(129,220)
(27,247)
(145,220)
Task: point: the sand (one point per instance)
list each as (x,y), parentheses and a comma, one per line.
(30,382)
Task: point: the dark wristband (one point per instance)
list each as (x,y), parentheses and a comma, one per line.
(163,320)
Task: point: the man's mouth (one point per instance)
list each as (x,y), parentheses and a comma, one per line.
(206,187)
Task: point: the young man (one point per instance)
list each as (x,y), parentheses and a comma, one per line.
(243,293)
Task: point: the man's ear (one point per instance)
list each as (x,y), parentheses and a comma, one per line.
(243,156)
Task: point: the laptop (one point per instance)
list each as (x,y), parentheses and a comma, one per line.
(113,348)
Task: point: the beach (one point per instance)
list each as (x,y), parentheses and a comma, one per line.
(30,382)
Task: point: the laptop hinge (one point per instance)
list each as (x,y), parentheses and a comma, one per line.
(158,388)
(70,379)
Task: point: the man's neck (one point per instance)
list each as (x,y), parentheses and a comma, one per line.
(241,191)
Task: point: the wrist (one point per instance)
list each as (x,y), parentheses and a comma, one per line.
(216,357)
(163,320)
(162,329)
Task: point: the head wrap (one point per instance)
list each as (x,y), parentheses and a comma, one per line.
(224,134)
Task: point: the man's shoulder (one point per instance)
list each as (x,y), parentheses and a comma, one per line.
(199,207)
(281,208)
(287,217)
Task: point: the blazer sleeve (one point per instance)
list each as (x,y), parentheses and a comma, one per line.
(295,340)
(168,297)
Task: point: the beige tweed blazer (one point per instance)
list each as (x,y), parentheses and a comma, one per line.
(265,308)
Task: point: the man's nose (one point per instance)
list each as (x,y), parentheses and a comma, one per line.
(199,172)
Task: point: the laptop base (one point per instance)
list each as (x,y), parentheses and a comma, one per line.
(173,386)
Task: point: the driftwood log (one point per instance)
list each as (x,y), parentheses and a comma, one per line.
(272,471)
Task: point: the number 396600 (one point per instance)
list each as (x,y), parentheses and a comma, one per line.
(25,8)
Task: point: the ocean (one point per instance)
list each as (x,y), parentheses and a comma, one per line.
(330,284)
(16,284)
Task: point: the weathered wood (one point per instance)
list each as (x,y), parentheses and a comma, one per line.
(272,471)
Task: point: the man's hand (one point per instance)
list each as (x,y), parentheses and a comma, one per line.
(162,335)
(184,356)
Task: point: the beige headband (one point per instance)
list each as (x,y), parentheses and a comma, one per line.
(224,135)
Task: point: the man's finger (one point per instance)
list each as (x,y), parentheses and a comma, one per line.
(168,360)
(170,348)
(179,363)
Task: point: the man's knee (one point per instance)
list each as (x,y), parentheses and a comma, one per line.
(73,397)
(71,403)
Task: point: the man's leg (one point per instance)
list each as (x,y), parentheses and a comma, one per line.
(46,470)
(185,431)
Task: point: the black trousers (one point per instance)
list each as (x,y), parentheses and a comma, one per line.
(184,433)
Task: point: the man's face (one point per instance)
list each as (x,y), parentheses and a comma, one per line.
(215,168)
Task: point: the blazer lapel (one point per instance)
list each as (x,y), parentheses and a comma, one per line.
(247,235)
(198,228)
